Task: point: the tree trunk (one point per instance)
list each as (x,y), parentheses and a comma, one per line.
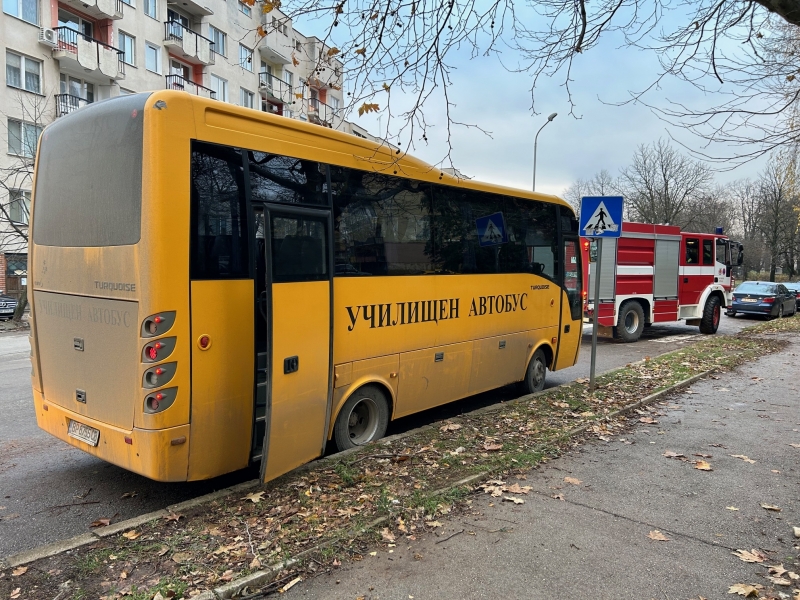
(21,306)
(772,269)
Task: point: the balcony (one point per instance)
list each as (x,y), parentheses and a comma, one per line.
(271,50)
(99,9)
(187,44)
(87,58)
(320,113)
(176,82)
(272,88)
(67,103)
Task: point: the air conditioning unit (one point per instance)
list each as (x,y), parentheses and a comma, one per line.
(273,109)
(48,37)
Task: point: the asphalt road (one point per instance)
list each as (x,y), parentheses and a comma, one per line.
(50,491)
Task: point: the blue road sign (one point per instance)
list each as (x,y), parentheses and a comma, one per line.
(492,230)
(601,216)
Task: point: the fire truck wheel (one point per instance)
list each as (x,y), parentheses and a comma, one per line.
(537,371)
(631,321)
(711,316)
(363,418)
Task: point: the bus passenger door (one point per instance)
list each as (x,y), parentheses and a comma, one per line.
(571,331)
(298,319)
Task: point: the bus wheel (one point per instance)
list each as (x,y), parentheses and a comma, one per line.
(363,418)
(631,321)
(535,376)
(711,312)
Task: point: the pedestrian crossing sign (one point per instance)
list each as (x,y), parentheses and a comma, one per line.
(601,216)
(492,230)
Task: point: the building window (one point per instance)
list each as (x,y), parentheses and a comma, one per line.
(220,86)
(23,138)
(74,22)
(245,9)
(151,8)
(27,10)
(298,46)
(78,88)
(152,57)
(19,206)
(127,44)
(246,98)
(16,65)
(129,2)
(220,40)
(334,103)
(245,57)
(288,77)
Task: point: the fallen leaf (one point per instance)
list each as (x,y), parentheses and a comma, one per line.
(255,563)
(433,524)
(648,420)
(182,558)
(702,465)
(100,523)
(514,500)
(401,525)
(123,575)
(336,562)
(671,454)
(173,517)
(132,534)
(743,590)
(162,551)
(254,497)
(771,507)
(757,378)
(658,536)
(793,576)
(582,380)
(492,447)
(754,556)
(795,445)
(572,480)
(731,508)
(19,571)
(796,531)
(129,495)
(776,570)
(373,554)
(450,427)
(744,458)
(15,593)
(779,581)
(387,535)
(516,489)
(703,455)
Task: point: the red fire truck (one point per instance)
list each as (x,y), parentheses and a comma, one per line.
(658,273)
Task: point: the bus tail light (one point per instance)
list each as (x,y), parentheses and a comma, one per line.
(157,376)
(161,400)
(158,324)
(158,349)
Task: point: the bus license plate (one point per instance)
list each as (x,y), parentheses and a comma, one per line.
(84,433)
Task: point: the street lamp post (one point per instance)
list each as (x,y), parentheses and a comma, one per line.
(535,140)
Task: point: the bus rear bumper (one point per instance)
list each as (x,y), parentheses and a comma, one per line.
(159,454)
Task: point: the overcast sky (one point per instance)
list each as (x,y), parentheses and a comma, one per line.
(604,137)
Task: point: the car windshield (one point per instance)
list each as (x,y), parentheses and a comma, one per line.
(756,287)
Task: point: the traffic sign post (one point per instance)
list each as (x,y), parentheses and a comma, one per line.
(601,216)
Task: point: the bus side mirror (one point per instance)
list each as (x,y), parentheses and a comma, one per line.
(740,257)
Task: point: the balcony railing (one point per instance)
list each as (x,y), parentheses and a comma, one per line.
(275,87)
(320,113)
(192,43)
(176,82)
(71,42)
(67,103)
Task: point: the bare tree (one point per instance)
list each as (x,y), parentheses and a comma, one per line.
(601,184)
(663,186)
(393,49)
(25,119)
(777,204)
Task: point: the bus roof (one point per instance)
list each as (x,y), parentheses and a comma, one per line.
(383,156)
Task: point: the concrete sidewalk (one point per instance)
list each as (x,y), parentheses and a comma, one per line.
(594,542)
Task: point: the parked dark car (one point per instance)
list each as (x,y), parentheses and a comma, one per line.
(7,307)
(794,288)
(763,298)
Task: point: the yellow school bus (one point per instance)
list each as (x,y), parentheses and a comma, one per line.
(214,286)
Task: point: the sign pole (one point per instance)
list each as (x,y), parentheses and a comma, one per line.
(596,312)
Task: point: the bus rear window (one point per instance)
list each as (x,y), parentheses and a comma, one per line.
(89,177)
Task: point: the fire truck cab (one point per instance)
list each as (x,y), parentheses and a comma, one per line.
(657,273)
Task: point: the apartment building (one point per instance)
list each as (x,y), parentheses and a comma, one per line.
(63,54)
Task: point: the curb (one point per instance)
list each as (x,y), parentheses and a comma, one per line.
(230,589)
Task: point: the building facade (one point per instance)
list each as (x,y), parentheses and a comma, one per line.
(63,54)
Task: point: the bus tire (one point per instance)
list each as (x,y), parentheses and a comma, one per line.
(711,316)
(363,418)
(536,373)
(631,321)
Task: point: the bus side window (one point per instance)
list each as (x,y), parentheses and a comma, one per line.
(218,242)
(275,178)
